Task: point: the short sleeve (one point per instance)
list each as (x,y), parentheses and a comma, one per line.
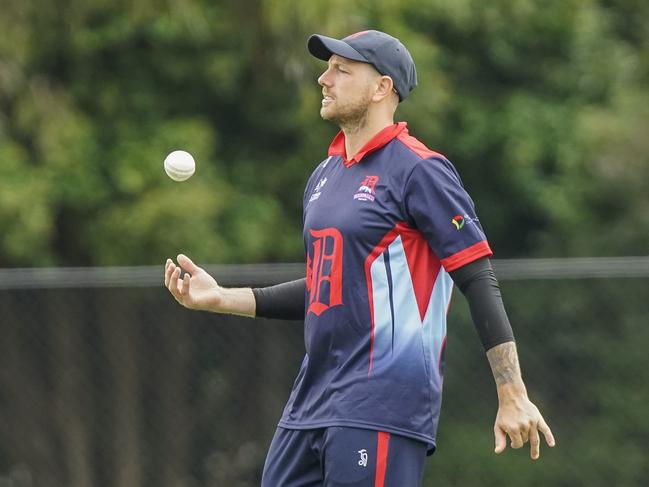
(437,205)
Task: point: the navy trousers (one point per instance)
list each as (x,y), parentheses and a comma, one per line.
(341,456)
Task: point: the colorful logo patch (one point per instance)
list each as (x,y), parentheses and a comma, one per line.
(458,221)
(365,192)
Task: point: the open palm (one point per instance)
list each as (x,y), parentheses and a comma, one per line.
(197,289)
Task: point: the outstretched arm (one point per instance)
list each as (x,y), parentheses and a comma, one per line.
(517,416)
(198,290)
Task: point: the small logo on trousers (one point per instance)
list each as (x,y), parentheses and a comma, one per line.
(363,461)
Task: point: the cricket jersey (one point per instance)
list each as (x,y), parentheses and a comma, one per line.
(382,230)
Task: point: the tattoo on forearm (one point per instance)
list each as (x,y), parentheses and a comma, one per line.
(504,363)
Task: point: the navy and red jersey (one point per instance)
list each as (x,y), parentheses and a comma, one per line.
(382,230)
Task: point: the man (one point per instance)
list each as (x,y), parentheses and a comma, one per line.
(388,230)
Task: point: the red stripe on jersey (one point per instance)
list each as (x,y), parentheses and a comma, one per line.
(381,458)
(463,257)
(424,267)
(417,147)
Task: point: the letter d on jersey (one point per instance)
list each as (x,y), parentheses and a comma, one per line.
(325,270)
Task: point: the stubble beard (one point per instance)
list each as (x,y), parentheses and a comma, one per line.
(350,117)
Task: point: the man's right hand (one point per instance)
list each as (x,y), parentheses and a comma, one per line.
(197,289)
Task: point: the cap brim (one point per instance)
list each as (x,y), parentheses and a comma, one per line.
(323,47)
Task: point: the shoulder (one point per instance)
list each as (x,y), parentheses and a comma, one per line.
(319,169)
(417,148)
(420,160)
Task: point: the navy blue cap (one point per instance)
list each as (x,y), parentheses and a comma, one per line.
(386,53)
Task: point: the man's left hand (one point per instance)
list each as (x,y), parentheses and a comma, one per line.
(521,420)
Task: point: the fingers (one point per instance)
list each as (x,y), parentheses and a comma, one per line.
(172,273)
(501,440)
(173,282)
(187,264)
(169,268)
(517,439)
(183,286)
(521,435)
(547,433)
(503,430)
(177,286)
(535,443)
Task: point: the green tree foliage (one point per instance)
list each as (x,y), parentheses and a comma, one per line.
(541,105)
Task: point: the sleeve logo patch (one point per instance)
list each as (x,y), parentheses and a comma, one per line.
(459,221)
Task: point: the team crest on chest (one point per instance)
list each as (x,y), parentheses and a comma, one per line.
(365,191)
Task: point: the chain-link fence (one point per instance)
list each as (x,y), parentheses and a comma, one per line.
(106,381)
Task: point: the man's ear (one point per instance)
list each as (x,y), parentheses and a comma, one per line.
(384,88)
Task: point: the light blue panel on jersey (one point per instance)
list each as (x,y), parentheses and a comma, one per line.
(382,345)
(435,319)
(393,296)
(407,341)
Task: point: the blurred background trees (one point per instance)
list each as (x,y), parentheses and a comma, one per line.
(541,105)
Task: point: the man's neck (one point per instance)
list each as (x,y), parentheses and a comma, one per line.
(356,137)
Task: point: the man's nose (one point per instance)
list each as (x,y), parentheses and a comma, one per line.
(323,79)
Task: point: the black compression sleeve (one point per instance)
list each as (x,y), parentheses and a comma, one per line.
(284,301)
(479,285)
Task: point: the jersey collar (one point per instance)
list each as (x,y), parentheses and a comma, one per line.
(337,147)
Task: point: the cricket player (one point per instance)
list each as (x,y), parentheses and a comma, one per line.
(388,231)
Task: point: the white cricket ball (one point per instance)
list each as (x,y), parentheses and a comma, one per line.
(180,165)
